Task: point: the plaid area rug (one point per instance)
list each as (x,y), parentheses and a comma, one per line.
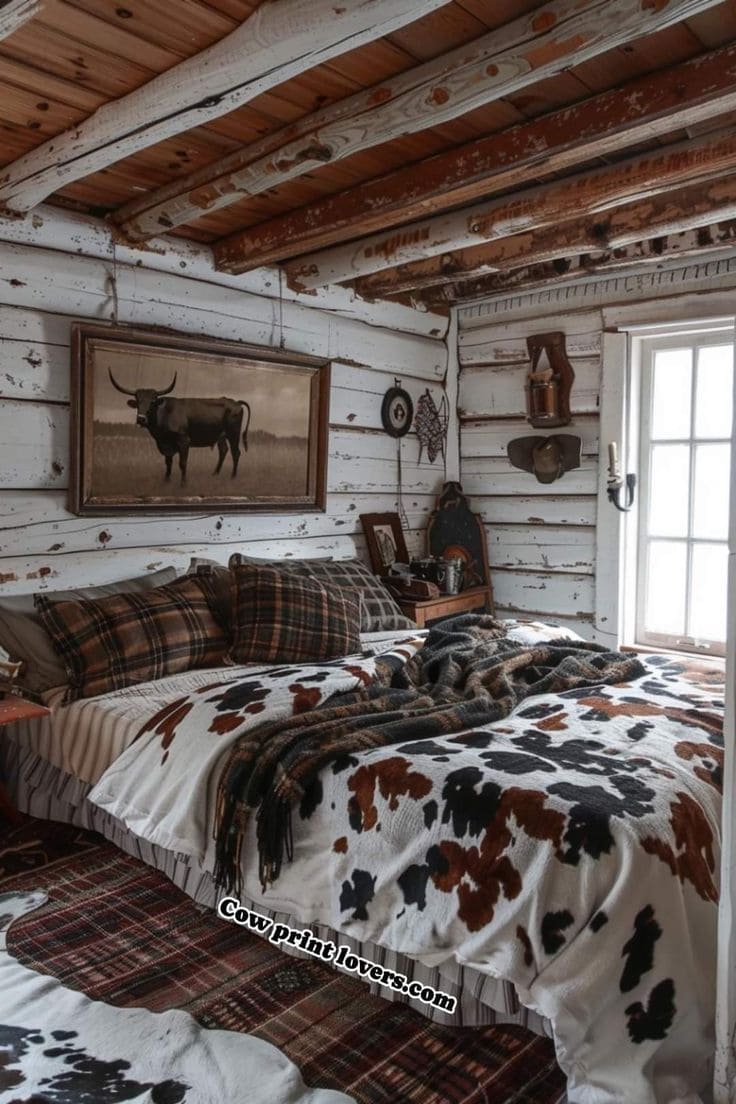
(121,932)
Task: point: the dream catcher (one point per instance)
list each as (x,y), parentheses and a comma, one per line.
(430,423)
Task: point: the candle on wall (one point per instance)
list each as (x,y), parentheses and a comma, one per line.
(613,468)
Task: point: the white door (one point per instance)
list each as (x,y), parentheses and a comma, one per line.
(725,1070)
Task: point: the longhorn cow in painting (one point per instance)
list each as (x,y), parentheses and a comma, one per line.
(177,425)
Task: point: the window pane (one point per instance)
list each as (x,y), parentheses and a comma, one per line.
(669,491)
(709,592)
(714,394)
(710,513)
(671,393)
(664,610)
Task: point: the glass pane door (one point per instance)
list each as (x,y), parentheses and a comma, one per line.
(687,388)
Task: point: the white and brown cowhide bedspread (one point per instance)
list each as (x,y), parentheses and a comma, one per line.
(59,1047)
(571,849)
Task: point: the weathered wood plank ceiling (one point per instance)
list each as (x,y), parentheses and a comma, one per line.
(477,145)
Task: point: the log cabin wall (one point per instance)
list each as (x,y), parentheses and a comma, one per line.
(543,538)
(44,288)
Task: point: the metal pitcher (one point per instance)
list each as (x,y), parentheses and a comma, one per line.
(447,574)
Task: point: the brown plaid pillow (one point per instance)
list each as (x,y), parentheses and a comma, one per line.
(279,618)
(217,585)
(379,611)
(128,638)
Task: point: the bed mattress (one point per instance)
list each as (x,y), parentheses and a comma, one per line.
(84,738)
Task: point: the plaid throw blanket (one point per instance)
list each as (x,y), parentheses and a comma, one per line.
(467,674)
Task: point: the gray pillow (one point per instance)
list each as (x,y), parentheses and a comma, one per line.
(23,636)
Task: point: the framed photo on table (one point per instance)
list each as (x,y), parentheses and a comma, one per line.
(386,543)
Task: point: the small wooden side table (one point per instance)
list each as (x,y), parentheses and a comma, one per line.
(13,708)
(429,609)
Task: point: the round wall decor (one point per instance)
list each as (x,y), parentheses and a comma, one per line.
(397,411)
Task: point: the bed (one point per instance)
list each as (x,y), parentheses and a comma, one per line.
(557,868)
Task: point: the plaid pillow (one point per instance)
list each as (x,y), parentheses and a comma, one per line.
(379,611)
(281,618)
(24,637)
(128,638)
(216,583)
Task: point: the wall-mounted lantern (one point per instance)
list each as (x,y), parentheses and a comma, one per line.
(549,384)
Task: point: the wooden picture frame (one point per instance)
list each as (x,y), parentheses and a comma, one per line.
(383,533)
(245,429)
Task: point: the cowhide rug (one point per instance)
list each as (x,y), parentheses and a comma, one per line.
(60,1047)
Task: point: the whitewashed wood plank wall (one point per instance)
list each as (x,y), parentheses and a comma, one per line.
(43,290)
(541,536)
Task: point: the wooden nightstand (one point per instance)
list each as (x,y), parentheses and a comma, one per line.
(12,709)
(429,609)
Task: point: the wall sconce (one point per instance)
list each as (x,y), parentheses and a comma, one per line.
(616,483)
(548,388)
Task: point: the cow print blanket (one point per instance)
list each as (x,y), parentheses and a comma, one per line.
(570,848)
(468,674)
(60,1047)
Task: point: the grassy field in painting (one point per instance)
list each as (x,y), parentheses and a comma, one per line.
(127,462)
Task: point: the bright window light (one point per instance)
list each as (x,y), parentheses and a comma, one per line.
(686,416)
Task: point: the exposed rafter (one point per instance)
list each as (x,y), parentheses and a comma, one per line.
(639,111)
(279,40)
(14,13)
(672,213)
(716,238)
(448,244)
(556,36)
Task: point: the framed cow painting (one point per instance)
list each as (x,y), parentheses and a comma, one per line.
(165,423)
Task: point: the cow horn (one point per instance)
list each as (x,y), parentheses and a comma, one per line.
(116,385)
(170,388)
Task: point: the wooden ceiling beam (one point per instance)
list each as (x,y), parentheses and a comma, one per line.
(679,212)
(14,13)
(708,239)
(640,111)
(279,40)
(545,42)
(456,245)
